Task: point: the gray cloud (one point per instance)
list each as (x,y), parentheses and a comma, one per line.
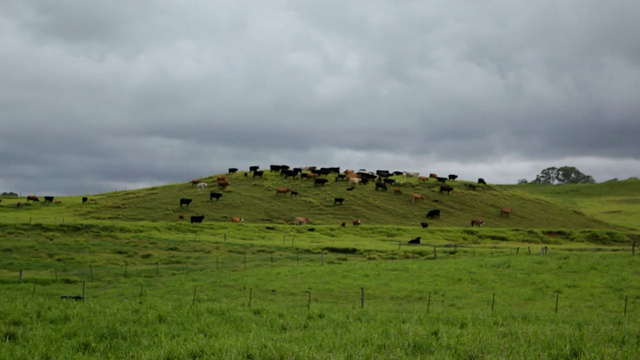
(126,94)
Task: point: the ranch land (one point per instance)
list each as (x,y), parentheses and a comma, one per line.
(126,274)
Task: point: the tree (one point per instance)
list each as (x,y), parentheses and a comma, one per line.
(562,175)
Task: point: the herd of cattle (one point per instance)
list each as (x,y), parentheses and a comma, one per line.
(381,178)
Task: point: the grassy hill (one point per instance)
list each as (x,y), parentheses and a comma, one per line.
(595,206)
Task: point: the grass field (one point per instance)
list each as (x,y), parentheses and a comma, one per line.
(161,288)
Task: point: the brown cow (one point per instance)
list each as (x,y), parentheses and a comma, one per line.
(357,222)
(397,191)
(301,220)
(433,176)
(221,178)
(478,223)
(195,182)
(423,178)
(415,197)
(506,211)
(32,198)
(223,184)
(181,217)
(236,219)
(282,191)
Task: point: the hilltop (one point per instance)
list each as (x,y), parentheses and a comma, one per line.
(256,201)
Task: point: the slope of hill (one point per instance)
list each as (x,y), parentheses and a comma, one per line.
(615,202)
(256,201)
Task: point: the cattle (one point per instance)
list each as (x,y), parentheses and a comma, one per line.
(282,191)
(445,188)
(290,173)
(351,188)
(93,201)
(58,202)
(221,178)
(223,184)
(470,186)
(356,222)
(197,218)
(411,174)
(253,168)
(301,220)
(424,224)
(273,168)
(506,211)
(343,224)
(433,214)
(452,177)
(397,191)
(353,180)
(478,223)
(433,176)
(202,185)
(383,173)
(270,227)
(341,177)
(309,175)
(320,182)
(294,193)
(181,217)
(338,200)
(233,170)
(48,199)
(481,181)
(84,199)
(415,197)
(214,195)
(381,186)
(389,181)
(441,179)
(258,173)
(195,182)
(185,201)
(423,178)
(32,198)
(415,241)
(236,219)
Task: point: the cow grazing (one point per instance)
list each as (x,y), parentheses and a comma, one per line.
(481,181)
(202,185)
(236,219)
(397,191)
(223,184)
(32,198)
(433,176)
(411,174)
(253,168)
(343,224)
(233,170)
(270,227)
(84,199)
(441,179)
(301,220)
(197,219)
(338,200)
(258,173)
(415,197)
(273,168)
(381,186)
(452,177)
(433,214)
(389,181)
(470,186)
(195,182)
(353,180)
(181,217)
(48,199)
(415,241)
(214,195)
(357,222)
(294,193)
(290,173)
(446,188)
(424,224)
(185,201)
(423,178)
(58,202)
(478,223)
(506,211)
(282,191)
(320,182)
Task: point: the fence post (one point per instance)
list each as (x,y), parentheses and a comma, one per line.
(362,298)
(435,253)
(84,291)
(33,293)
(517,250)
(625,303)
(493,301)
(529,250)
(250,296)
(323,258)
(557,299)
(429,302)
(633,248)
(309,301)
(91,272)
(141,290)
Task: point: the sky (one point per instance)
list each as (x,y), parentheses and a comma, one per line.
(97,96)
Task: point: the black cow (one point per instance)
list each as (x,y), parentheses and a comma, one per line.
(84,199)
(253,168)
(381,186)
(185,201)
(383,173)
(215,195)
(48,199)
(441,179)
(338,200)
(452,177)
(424,224)
(481,181)
(389,181)
(233,170)
(445,188)
(341,177)
(433,214)
(320,182)
(197,219)
(294,193)
(415,241)
(258,173)
(275,167)
(287,173)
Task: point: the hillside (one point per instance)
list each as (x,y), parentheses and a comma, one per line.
(256,201)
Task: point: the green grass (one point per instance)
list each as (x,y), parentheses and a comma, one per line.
(160,288)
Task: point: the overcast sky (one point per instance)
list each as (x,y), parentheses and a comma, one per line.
(103,95)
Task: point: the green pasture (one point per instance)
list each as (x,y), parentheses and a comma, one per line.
(157,287)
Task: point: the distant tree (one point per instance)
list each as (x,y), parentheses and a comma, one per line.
(9,194)
(523,181)
(562,175)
